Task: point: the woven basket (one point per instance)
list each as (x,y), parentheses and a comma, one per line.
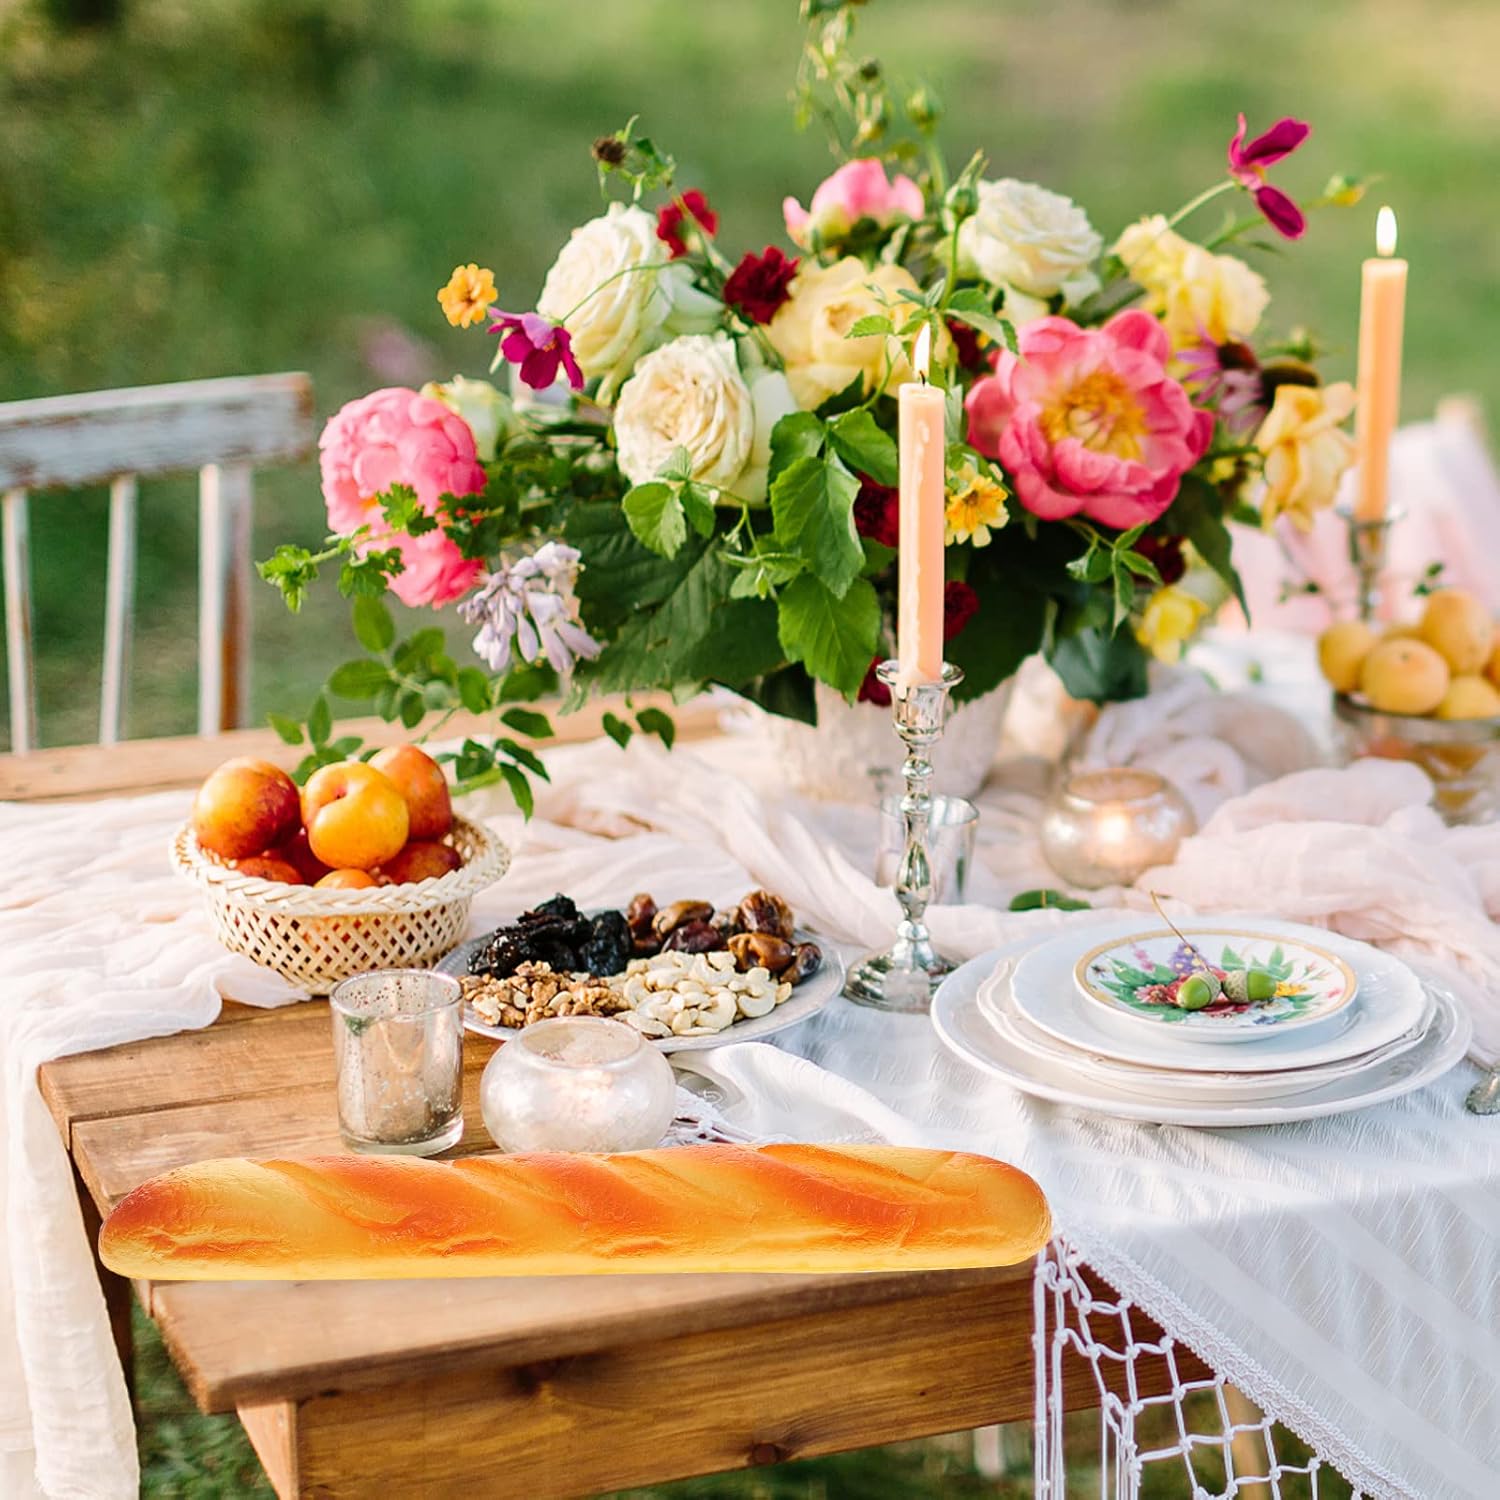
(314,938)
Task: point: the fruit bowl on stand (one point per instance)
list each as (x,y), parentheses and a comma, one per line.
(1462,756)
(315,937)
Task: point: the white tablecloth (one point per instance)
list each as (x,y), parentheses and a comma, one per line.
(1345,1274)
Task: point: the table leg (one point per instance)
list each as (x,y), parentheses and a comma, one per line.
(116,1289)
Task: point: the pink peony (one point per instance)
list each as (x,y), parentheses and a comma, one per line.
(1088,420)
(858,190)
(396,436)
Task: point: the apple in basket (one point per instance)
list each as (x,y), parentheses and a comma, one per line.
(356,818)
(420,780)
(244,808)
(421,859)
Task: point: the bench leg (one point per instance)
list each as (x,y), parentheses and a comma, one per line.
(116,1289)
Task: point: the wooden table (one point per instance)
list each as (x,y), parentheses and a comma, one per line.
(540,1387)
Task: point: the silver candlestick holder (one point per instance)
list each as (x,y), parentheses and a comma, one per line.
(1369,551)
(904,977)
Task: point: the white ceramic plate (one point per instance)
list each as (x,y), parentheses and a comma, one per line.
(966,1031)
(1135,977)
(998,1008)
(811,995)
(1390,1002)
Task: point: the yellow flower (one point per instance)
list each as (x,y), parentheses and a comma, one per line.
(826,302)
(468,295)
(975,506)
(1170,620)
(1193,291)
(1306,453)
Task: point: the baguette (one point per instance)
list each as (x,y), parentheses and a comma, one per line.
(693,1208)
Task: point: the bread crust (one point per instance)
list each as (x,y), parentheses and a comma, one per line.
(695,1208)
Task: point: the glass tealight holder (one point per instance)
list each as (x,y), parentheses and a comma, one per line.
(398,1049)
(1108,826)
(577,1083)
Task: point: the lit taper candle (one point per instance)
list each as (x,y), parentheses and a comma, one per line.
(919,624)
(1382,314)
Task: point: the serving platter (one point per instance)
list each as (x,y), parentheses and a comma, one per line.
(967,1031)
(1390,999)
(806,999)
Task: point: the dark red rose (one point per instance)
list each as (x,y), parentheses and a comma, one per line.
(685,211)
(872,689)
(759,285)
(960,604)
(966,344)
(877,512)
(1166,553)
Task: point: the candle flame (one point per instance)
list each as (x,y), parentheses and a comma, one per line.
(1385,231)
(922,353)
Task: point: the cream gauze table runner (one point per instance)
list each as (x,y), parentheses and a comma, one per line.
(1345,1274)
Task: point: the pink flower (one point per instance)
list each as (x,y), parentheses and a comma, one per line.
(1247,165)
(538,347)
(1088,420)
(858,190)
(396,436)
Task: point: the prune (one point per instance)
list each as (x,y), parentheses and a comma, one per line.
(559,908)
(608,947)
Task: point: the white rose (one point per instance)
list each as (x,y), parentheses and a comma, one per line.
(687,394)
(485,409)
(612,310)
(1033,241)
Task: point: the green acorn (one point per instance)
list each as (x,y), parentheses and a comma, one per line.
(1198,990)
(1249,986)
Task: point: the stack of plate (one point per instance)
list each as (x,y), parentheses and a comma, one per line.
(1089,1018)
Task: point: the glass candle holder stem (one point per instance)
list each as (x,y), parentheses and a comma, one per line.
(1369,551)
(903,978)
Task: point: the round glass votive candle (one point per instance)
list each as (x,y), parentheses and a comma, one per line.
(1106,827)
(577,1083)
(398,1050)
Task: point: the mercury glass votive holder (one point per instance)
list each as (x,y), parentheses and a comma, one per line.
(577,1083)
(398,1048)
(1107,826)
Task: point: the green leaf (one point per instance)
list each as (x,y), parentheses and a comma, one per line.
(525,721)
(847,399)
(291,570)
(871,323)
(519,753)
(698,508)
(437,694)
(360,679)
(833,636)
(474,690)
(385,701)
(305,767)
(319,721)
(1140,565)
(422,653)
(345,746)
(1197,514)
(287,728)
(617,729)
(1047,900)
(865,445)
(656,721)
(679,464)
(656,517)
(970,305)
(812,505)
(370,575)
(411,709)
(799,434)
(520,788)
(526,682)
(1099,665)
(374,628)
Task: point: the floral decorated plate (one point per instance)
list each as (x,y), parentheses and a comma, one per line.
(1139,978)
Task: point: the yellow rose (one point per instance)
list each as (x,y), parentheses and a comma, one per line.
(1306,453)
(826,302)
(1170,620)
(1193,291)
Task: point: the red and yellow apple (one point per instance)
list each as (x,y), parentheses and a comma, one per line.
(298,853)
(355,817)
(244,808)
(347,880)
(420,780)
(269,867)
(422,859)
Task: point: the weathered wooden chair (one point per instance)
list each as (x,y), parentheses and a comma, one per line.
(221,428)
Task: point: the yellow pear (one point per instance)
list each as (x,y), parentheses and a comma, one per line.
(1456,626)
(1342,649)
(1404,677)
(1470,698)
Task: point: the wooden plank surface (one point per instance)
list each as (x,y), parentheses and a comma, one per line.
(72,773)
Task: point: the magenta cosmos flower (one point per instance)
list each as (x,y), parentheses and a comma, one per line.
(538,346)
(858,190)
(1247,165)
(1087,420)
(396,436)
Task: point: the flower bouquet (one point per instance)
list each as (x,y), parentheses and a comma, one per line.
(692,479)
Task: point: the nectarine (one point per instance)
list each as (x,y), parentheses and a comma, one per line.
(268,867)
(347,880)
(244,808)
(420,780)
(355,817)
(421,860)
(297,853)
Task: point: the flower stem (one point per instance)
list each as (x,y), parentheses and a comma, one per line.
(649,265)
(1206,196)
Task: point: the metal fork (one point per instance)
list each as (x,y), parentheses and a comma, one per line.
(1484,1097)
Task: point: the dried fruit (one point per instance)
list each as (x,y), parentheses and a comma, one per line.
(678,914)
(763,911)
(639,916)
(697,936)
(761,950)
(806,961)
